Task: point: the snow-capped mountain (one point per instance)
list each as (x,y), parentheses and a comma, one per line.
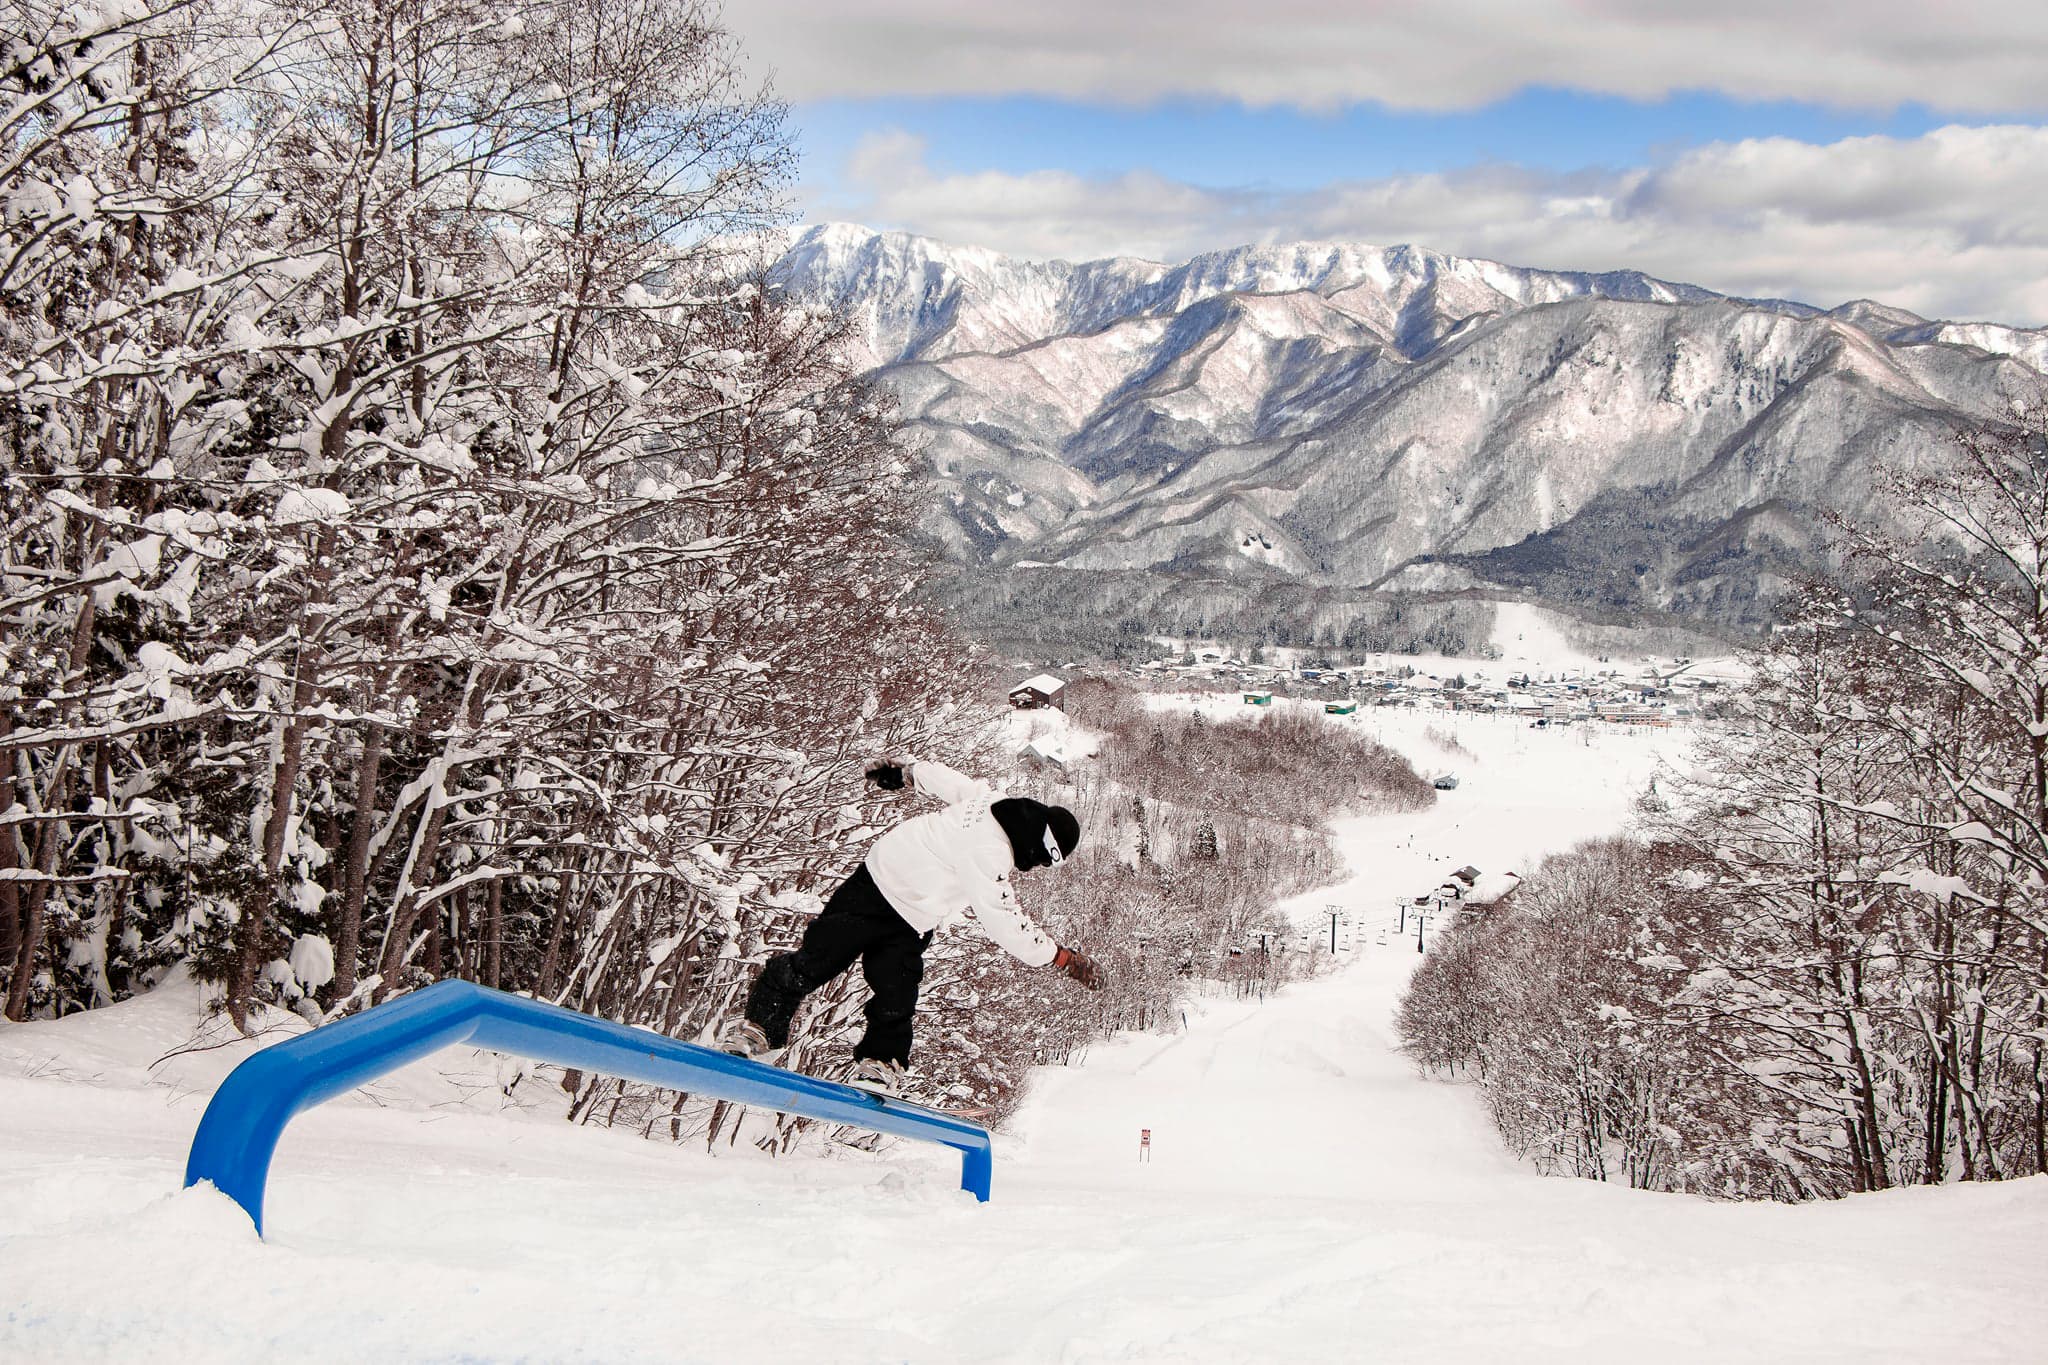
(1367,416)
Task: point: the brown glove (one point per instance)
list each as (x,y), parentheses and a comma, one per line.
(1080,966)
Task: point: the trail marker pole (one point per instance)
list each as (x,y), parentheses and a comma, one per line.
(1145,1145)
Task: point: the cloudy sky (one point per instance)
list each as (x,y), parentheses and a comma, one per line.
(1822,150)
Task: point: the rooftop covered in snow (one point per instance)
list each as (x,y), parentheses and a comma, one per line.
(1044,683)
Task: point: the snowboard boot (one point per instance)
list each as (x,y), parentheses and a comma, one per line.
(877,1076)
(743,1038)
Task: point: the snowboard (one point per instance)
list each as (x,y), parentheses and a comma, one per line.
(969,1111)
(973,1111)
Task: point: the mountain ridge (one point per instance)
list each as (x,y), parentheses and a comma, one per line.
(1345,414)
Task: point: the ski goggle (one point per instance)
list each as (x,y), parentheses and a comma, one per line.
(1052,847)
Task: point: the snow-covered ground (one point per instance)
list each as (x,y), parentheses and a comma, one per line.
(1527,636)
(1522,793)
(1309,1197)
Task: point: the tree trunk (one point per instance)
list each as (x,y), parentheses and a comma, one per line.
(50,833)
(426,849)
(249,929)
(348,931)
(494,942)
(558,925)
(49,837)
(468,953)
(431,951)
(2040,984)
(11,926)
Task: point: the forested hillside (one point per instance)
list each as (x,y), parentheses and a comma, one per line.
(427,551)
(1822,968)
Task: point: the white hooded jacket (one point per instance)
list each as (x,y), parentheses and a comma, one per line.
(932,867)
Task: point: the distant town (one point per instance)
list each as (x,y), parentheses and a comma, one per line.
(1648,692)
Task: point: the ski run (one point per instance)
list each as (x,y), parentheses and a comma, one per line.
(1308,1196)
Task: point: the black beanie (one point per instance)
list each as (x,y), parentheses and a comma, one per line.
(1026,822)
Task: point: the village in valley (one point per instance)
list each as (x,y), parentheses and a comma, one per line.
(1647,692)
(1653,692)
(1431,701)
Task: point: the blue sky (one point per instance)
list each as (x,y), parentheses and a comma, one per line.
(1825,151)
(1219,143)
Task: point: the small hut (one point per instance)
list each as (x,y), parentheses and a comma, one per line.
(1258,699)
(1339,708)
(1038,693)
(1044,756)
(1490,891)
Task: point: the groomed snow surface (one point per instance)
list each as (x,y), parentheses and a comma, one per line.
(1309,1196)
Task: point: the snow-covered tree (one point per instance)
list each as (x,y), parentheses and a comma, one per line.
(427,540)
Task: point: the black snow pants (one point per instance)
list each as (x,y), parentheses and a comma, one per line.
(857,922)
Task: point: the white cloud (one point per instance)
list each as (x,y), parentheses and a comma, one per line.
(1978,56)
(889,156)
(1952,224)
(1045,214)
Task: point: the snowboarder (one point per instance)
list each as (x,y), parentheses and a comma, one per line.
(917,879)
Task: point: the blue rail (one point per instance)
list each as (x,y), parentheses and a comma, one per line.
(242,1123)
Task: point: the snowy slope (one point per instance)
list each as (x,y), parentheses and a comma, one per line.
(1309,1197)
(2027,345)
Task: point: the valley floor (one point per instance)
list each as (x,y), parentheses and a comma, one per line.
(1308,1197)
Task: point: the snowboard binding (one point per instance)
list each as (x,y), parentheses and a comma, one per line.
(743,1038)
